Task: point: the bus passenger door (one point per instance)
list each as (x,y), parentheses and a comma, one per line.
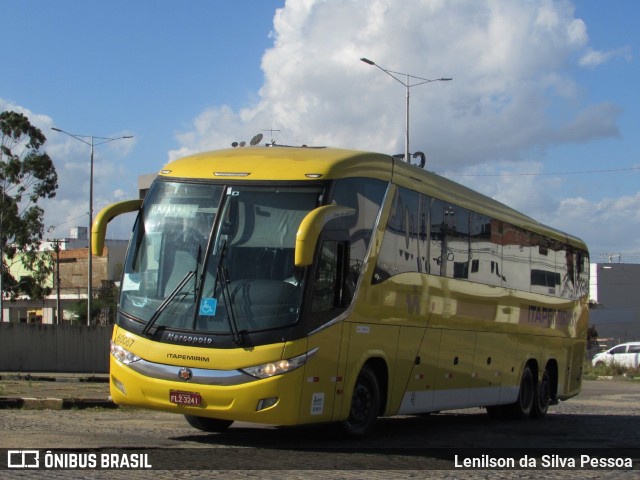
(321,378)
(328,300)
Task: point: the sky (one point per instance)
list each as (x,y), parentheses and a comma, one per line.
(542,112)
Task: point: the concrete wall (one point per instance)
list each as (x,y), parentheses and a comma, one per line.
(618,314)
(619,325)
(54,348)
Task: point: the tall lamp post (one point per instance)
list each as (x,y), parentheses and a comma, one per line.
(91,141)
(407,85)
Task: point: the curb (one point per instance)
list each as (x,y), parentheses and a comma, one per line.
(56,377)
(27,403)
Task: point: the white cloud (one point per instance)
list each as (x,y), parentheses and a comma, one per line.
(508,60)
(592,122)
(610,224)
(594,58)
(512,95)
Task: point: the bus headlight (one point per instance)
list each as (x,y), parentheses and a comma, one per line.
(121,354)
(281,366)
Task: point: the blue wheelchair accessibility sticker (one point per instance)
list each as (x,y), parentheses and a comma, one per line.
(208,306)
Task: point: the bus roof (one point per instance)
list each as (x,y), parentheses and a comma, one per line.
(312,163)
(281,163)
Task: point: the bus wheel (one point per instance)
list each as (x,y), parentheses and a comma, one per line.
(364,405)
(542,396)
(524,405)
(205,424)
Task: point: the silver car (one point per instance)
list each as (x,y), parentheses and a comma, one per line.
(625,354)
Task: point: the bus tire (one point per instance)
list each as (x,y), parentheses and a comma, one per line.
(542,397)
(365,404)
(211,425)
(524,404)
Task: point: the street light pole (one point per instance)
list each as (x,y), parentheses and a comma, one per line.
(92,143)
(407,85)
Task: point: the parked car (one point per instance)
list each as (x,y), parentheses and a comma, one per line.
(625,354)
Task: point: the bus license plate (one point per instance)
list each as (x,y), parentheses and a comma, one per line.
(185,398)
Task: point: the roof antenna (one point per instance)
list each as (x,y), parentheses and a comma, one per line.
(271,130)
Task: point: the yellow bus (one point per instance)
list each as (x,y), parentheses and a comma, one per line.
(288,286)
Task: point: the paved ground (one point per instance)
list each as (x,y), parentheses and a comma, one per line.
(605,414)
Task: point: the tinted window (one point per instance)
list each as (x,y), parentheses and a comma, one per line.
(365,195)
(484,250)
(428,235)
(400,251)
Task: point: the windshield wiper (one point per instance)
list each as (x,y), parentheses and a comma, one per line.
(195,283)
(166,302)
(223,276)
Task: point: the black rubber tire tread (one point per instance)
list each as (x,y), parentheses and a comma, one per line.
(523,406)
(542,398)
(365,404)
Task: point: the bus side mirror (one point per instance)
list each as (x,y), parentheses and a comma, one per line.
(310,228)
(99,227)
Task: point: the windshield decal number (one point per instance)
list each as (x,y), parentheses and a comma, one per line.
(124,340)
(208,307)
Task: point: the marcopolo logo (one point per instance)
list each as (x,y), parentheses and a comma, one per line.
(23,459)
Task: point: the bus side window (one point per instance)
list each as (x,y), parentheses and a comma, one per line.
(329,290)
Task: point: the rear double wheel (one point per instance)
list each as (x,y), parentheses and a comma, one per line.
(542,398)
(533,400)
(523,406)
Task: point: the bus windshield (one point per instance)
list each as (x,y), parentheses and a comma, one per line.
(216,259)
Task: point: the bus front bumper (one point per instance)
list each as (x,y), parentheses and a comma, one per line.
(226,395)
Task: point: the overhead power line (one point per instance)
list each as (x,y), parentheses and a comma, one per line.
(580,172)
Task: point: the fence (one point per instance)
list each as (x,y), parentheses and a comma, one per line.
(26,347)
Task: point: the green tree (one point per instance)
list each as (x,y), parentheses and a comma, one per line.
(27,175)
